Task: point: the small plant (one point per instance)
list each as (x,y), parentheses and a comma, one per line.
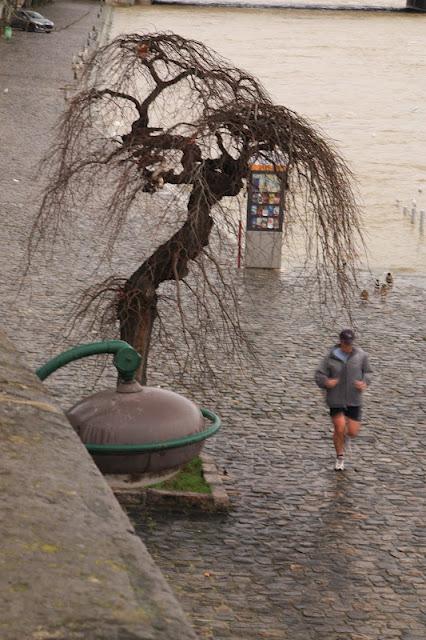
(189,478)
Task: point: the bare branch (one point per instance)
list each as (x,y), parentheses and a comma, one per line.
(166,130)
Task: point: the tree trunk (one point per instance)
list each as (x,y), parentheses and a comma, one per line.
(140,337)
(137,307)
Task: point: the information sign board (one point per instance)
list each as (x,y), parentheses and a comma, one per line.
(265,203)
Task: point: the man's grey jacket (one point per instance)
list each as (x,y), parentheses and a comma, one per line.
(355,368)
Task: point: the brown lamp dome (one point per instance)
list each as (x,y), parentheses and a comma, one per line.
(136,415)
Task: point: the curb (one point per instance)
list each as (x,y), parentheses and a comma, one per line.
(219,494)
(216,501)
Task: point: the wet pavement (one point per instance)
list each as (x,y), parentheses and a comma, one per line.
(305,553)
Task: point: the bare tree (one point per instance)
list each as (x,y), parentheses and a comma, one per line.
(164,125)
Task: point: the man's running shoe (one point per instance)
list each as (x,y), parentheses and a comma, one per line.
(340,463)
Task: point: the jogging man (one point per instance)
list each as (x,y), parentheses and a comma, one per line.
(344,373)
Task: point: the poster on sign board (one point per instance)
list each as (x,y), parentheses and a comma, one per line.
(265,205)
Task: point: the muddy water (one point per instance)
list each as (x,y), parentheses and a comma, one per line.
(360,76)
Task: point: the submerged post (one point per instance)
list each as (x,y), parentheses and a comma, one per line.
(413,213)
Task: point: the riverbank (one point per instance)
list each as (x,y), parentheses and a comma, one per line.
(304,554)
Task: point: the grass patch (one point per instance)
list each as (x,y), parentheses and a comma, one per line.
(189,478)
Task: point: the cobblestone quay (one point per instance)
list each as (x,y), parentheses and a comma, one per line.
(307,553)
(304,553)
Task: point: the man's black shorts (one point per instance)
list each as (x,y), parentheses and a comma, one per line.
(354,413)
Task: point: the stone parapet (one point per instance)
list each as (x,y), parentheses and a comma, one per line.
(71,564)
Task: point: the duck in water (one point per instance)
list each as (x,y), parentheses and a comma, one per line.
(389,279)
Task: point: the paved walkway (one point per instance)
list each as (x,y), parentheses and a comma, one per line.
(305,553)
(308,553)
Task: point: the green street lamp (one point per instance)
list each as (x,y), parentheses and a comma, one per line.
(134,429)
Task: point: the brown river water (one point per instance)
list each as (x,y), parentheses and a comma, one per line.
(360,76)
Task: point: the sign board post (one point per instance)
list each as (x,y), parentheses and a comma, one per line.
(265,216)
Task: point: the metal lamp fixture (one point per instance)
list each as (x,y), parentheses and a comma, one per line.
(134,429)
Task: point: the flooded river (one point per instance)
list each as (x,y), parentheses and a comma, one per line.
(360,76)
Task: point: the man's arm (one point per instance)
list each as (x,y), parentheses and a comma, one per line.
(366,370)
(361,385)
(321,374)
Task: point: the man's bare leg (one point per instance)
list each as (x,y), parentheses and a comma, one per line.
(353,428)
(339,423)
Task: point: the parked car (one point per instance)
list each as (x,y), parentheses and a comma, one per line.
(30,21)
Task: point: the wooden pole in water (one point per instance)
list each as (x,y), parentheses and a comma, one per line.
(413,213)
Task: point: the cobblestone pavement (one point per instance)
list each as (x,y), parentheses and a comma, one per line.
(304,553)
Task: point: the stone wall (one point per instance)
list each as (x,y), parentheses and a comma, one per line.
(71,564)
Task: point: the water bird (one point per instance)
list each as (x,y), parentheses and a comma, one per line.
(389,278)
(377,284)
(384,289)
(364,295)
